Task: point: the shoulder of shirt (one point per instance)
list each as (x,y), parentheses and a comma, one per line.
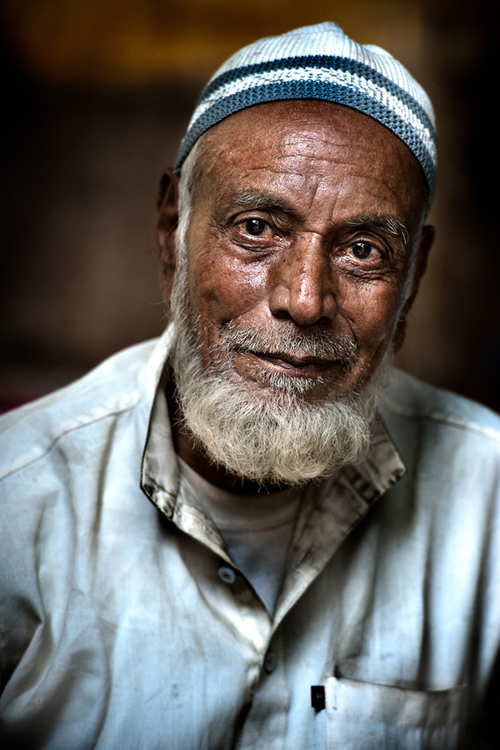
(28,433)
(412,399)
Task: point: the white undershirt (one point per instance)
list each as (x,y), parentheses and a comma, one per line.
(256,529)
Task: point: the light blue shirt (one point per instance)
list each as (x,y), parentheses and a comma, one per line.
(125,624)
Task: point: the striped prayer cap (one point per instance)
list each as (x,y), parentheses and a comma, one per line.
(321,62)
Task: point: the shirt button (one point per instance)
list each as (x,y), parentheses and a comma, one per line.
(227,574)
(270,661)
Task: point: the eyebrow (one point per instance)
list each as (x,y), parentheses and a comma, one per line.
(255,199)
(387,223)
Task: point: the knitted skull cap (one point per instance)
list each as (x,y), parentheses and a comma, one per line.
(320,62)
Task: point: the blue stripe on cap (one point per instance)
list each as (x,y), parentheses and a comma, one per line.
(325,62)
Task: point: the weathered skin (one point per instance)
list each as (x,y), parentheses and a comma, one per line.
(272,244)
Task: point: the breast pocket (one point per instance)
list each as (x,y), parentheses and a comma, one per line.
(367,716)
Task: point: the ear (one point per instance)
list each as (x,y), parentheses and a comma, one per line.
(168,215)
(420,265)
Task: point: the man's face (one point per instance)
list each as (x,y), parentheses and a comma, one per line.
(305,220)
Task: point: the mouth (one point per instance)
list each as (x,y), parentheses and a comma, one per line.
(305,366)
(306,359)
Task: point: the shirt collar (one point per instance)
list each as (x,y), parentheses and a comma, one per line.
(159,467)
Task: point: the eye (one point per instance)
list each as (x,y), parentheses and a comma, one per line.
(362,250)
(255,227)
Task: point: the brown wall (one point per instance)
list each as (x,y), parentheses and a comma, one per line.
(98,96)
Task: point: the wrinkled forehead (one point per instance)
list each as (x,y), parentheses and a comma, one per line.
(319,140)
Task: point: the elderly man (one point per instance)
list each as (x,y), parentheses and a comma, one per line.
(317,565)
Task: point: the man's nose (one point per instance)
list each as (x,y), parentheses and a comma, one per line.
(303,288)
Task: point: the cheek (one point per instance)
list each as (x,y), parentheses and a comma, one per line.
(224,288)
(371,311)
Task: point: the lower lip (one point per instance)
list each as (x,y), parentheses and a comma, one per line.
(307,370)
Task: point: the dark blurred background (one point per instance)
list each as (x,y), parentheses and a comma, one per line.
(96,96)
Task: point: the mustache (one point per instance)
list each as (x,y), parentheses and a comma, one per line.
(319,343)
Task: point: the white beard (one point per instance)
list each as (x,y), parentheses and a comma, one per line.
(270,435)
